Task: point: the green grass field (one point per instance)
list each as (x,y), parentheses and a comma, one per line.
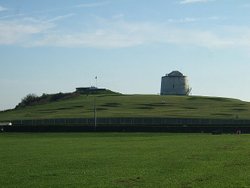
(124,160)
(116,105)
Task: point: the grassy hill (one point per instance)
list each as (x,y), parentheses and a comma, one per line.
(117,105)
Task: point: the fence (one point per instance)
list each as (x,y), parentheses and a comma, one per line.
(133,122)
(130,125)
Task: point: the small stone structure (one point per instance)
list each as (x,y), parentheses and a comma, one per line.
(91,89)
(174,83)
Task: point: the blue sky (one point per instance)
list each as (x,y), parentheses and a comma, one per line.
(55,46)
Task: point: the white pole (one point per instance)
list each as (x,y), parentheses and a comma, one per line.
(95,112)
(96,81)
(95,118)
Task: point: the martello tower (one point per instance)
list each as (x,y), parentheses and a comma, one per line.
(174,83)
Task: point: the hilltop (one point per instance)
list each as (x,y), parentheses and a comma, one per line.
(111,104)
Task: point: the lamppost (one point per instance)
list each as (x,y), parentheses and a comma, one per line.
(95,117)
(95,112)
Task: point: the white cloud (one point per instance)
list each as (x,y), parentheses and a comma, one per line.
(116,33)
(90,5)
(194,1)
(11,16)
(183,20)
(124,34)
(94,40)
(190,19)
(2,8)
(197,38)
(25,30)
(57,18)
(15,32)
(112,35)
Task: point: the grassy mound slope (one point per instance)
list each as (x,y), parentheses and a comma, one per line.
(117,105)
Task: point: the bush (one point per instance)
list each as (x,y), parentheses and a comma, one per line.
(28,100)
(57,96)
(32,99)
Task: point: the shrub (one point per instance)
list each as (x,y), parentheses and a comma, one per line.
(28,100)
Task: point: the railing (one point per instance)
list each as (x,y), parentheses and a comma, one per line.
(184,125)
(131,122)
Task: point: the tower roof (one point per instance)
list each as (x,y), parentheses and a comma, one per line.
(175,73)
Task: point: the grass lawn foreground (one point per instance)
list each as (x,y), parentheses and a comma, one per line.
(124,160)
